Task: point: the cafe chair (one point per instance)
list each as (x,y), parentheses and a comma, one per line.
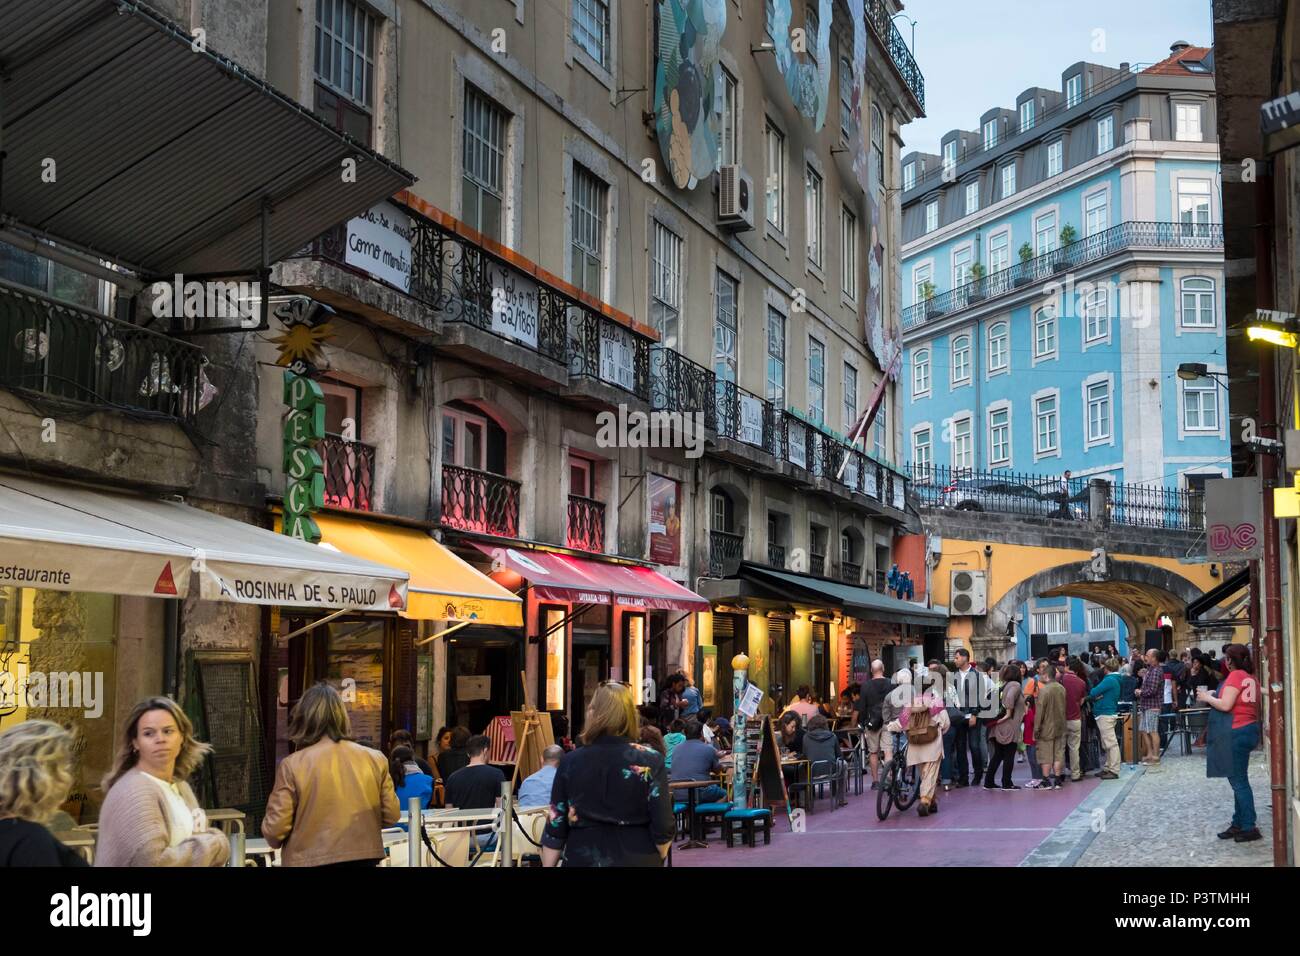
(823,772)
(856,758)
(747,820)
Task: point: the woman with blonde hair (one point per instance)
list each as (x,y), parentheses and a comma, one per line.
(35,778)
(609,803)
(332,796)
(150,816)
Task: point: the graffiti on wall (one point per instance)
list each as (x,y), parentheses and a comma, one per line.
(688,86)
(807,78)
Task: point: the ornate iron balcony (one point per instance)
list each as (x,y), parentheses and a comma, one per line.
(679,385)
(744,417)
(851,572)
(883,27)
(474,500)
(586,523)
(349,473)
(1042,268)
(726,550)
(817,564)
(776,555)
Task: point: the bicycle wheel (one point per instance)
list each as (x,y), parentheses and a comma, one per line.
(909,788)
(885,795)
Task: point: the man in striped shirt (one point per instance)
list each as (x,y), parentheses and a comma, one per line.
(1150,697)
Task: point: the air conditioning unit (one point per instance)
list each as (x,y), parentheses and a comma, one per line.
(735,199)
(970,593)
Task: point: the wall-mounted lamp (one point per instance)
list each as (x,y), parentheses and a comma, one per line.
(988,550)
(1214,570)
(781,615)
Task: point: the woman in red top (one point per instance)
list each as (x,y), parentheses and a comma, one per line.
(1239,696)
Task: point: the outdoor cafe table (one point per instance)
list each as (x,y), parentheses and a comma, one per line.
(226,818)
(691,786)
(83,841)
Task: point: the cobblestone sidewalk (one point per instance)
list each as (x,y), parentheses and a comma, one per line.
(1171,817)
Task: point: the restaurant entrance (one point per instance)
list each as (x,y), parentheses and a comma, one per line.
(483,666)
(730,637)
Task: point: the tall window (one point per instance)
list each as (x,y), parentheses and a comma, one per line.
(920,372)
(1105,134)
(1101,619)
(963,452)
(483,186)
(1045,235)
(813,203)
(775,392)
(729,131)
(848,253)
(725,292)
(921,456)
(882,427)
(1098,411)
(591,28)
(850,397)
(775,175)
(972,197)
(665,283)
(1051,622)
(846,100)
(1096,213)
(1026,115)
(921,276)
(1074,91)
(811,26)
(999,347)
(961,360)
(1201,406)
(816,380)
(1188,122)
(1096,315)
(1044,332)
(999,252)
(950,154)
(990,134)
(587,214)
(1055,158)
(345,66)
(1008,180)
(961,263)
(932,216)
(1198,303)
(909,176)
(1194,206)
(878,145)
(1045,425)
(999,437)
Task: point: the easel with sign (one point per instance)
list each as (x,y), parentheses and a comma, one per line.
(533,735)
(768,775)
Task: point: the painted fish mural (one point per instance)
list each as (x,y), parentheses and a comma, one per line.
(688,85)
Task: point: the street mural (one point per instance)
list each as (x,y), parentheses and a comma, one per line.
(809,83)
(688,84)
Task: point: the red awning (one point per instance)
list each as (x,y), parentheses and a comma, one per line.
(561,577)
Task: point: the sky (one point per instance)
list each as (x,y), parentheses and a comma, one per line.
(978,54)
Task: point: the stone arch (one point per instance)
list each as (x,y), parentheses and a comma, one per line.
(1134,590)
(509,411)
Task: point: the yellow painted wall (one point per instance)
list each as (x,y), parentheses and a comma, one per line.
(801,671)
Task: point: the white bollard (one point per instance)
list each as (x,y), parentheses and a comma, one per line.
(236,849)
(414,820)
(507,826)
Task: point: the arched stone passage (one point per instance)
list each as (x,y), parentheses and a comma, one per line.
(1135,591)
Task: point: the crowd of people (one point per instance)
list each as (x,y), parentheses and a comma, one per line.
(609,799)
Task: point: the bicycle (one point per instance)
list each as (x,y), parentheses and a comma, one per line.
(899,783)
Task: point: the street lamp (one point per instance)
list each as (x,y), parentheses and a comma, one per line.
(1281,333)
(1193,371)
(913,23)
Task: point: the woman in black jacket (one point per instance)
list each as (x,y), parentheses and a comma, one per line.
(35,778)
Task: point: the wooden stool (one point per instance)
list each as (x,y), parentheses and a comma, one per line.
(748,820)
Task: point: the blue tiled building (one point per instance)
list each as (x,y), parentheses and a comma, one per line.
(1059,263)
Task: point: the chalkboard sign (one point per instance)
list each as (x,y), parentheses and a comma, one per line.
(767,774)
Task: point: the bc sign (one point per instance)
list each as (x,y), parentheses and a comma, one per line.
(1233,519)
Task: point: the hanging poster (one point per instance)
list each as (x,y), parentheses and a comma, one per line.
(616,353)
(688,86)
(751,420)
(665,520)
(515,304)
(798,444)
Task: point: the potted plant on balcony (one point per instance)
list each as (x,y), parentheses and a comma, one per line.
(977,292)
(1062,261)
(1022,276)
(932,309)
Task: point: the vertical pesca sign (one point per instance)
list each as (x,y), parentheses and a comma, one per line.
(665,521)
(304,427)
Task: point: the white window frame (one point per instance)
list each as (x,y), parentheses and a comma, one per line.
(1041,619)
(1001,234)
(1004,351)
(1035,401)
(1097,617)
(770,385)
(492,140)
(999,408)
(990,133)
(972,195)
(816,389)
(602,54)
(1105,134)
(1055,158)
(922,464)
(950,153)
(729,125)
(461,420)
(958,460)
(1026,115)
(1009,180)
(1102,212)
(954,351)
(1093,381)
(667,257)
(922,272)
(364,57)
(1202,388)
(848,254)
(878,145)
(1183,131)
(774,184)
(604,223)
(1073,91)
(881,429)
(932,215)
(963,258)
(728,361)
(1046,316)
(1094,315)
(909,176)
(850,396)
(1200,295)
(1054,233)
(815,213)
(922,378)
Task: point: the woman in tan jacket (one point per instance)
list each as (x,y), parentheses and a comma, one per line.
(332,796)
(150,816)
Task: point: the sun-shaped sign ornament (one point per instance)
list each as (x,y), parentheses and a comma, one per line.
(306,330)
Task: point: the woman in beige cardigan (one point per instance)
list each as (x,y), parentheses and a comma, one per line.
(150,816)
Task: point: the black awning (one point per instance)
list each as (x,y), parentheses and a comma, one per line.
(163,156)
(851,598)
(1213,598)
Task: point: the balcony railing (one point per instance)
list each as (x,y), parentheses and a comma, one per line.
(679,385)
(882,581)
(889,37)
(60,351)
(602,349)
(851,572)
(586,523)
(726,550)
(744,417)
(349,473)
(817,564)
(1126,235)
(776,555)
(480,501)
